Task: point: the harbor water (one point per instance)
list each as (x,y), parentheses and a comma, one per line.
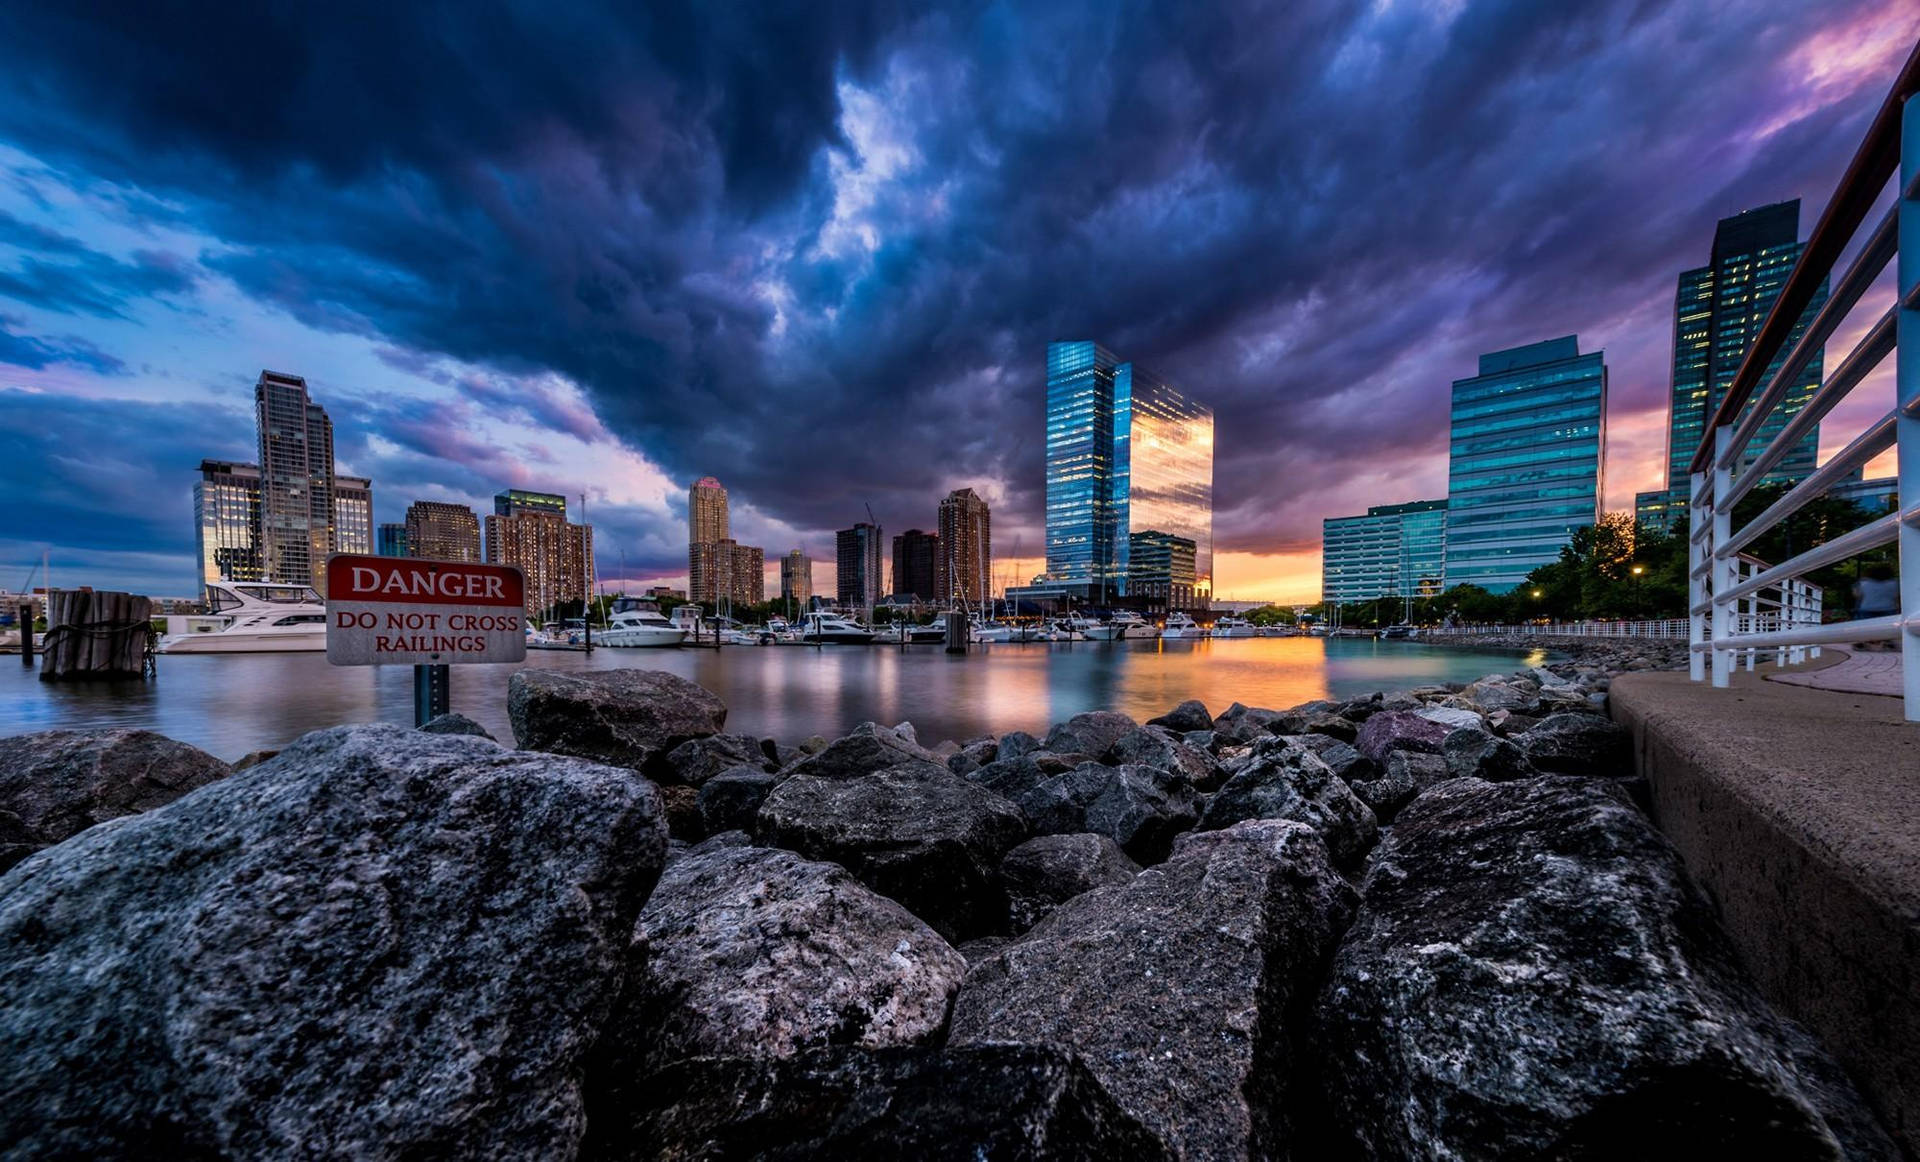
(235,703)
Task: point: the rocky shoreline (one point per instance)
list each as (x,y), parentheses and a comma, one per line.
(1430,923)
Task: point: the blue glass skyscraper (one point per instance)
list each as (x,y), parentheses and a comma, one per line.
(1127,453)
(1524,462)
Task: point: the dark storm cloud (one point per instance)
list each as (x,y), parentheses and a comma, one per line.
(1312,216)
(37,352)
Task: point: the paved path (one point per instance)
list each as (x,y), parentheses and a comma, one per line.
(1861,672)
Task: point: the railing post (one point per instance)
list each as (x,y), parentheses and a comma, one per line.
(1696,586)
(1722,571)
(1907,393)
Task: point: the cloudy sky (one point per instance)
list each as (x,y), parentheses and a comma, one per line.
(818,250)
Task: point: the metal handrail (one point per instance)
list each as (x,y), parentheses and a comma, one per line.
(1737,605)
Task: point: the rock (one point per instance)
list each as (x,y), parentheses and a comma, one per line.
(1243,724)
(1341,758)
(622,717)
(251,759)
(1054,763)
(812,744)
(382,943)
(680,805)
(907,733)
(916,833)
(1317,722)
(1015,744)
(1393,730)
(452,723)
(1476,754)
(1092,734)
(730,800)
(985,1102)
(1531,975)
(1138,807)
(779,755)
(1009,777)
(1509,725)
(1397,702)
(1156,747)
(1579,744)
(1492,693)
(1189,715)
(1200,739)
(1048,870)
(757,952)
(696,760)
(979,948)
(1407,774)
(57,783)
(1176,987)
(869,748)
(1546,677)
(1288,781)
(1455,719)
(974,755)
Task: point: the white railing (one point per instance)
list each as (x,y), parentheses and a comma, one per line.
(1737,604)
(1671,628)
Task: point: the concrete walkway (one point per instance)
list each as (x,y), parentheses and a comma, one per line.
(1859,672)
(1798,809)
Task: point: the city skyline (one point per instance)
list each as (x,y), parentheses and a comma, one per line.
(137,289)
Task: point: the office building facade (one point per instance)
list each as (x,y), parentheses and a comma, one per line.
(1162,569)
(857,563)
(226,507)
(352,514)
(963,569)
(914,572)
(1525,460)
(1393,550)
(554,555)
(296,481)
(442,532)
(391,539)
(1718,311)
(796,579)
(1127,453)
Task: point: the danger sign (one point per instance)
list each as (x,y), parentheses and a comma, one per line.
(398,610)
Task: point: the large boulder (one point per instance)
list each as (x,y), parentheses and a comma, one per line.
(379,944)
(453,722)
(1157,747)
(952,1105)
(1478,754)
(1189,715)
(1340,757)
(868,748)
(696,760)
(1048,870)
(916,832)
(1531,975)
(1579,744)
(1141,808)
(1177,987)
(730,800)
(57,783)
(1498,693)
(1285,780)
(757,952)
(1406,775)
(1304,721)
(623,717)
(1011,777)
(1392,730)
(1239,724)
(1092,734)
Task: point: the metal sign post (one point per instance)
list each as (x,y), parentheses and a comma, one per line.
(432,614)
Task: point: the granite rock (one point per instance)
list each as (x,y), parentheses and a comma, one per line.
(55,784)
(623,717)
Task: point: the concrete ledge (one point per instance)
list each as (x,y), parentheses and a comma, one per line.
(1798,811)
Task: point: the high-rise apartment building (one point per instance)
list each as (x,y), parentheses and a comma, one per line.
(729,572)
(706,525)
(1126,453)
(296,481)
(963,567)
(857,565)
(914,573)
(1718,310)
(1394,550)
(392,540)
(796,579)
(1528,444)
(226,508)
(442,532)
(352,514)
(530,530)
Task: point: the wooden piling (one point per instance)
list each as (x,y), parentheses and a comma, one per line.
(96,635)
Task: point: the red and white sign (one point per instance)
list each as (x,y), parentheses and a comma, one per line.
(401,611)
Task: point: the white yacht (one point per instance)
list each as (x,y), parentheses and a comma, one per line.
(250,617)
(638,624)
(833,628)
(1179,625)
(1232,626)
(992,631)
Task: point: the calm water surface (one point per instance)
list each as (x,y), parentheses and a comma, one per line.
(238,703)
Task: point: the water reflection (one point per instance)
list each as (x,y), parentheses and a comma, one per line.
(231,705)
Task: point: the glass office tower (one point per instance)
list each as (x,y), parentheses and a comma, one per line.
(1127,453)
(1524,466)
(226,506)
(1394,550)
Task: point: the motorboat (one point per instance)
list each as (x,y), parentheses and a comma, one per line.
(636,625)
(1400,632)
(1232,626)
(919,635)
(250,617)
(992,631)
(832,628)
(1179,625)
